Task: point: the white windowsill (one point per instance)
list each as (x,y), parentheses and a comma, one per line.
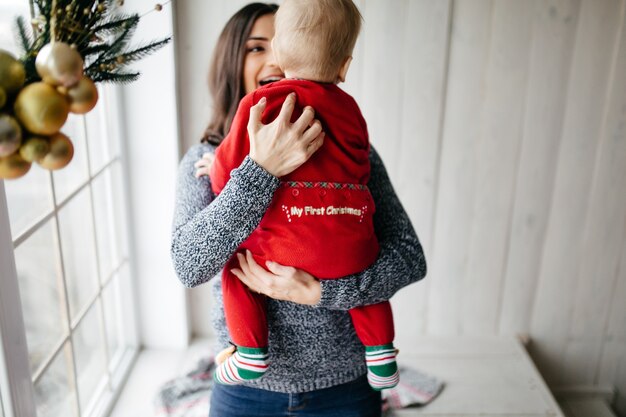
(152,369)
(473,370)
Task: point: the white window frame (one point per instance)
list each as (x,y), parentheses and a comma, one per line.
(150,152)
(17,391)
(17,381)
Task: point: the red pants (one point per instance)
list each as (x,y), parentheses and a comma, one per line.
(328,233)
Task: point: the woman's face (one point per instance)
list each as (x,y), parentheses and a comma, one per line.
(259,66)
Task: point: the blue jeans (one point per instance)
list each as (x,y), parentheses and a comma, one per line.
(353,399)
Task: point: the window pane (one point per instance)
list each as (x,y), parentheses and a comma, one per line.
(79,254)
(104,196)
(10,10)
(55,392)
(90,355)
(1,408)
(119,202)
(102,138)
(68,179)
(113,320)
(41,293)
(29,199)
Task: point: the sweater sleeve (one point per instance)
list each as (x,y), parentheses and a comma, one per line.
(400,261)
(207,229)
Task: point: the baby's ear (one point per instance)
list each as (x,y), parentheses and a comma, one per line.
(275,53)
(343,71)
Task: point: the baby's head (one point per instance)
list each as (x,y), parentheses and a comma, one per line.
(314,39)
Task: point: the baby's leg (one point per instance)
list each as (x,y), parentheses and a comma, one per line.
(374,326)
(247,324)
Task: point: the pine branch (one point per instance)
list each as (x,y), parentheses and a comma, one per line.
(94,49)
(139,53)
(113,50)
(115,24)
(25,38)
(120,43)
(114,77)
(100,34)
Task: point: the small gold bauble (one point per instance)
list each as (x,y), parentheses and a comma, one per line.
(13,166)
(158,7)
(10,135)
(34,148)
(12,73)
(41,108)
(83,96)
(59,64)
(3,97)
(61,152)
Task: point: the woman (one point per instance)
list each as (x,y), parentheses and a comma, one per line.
(317,360)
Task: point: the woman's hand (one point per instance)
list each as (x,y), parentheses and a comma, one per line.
(204,164)
(280,282)
(281,146)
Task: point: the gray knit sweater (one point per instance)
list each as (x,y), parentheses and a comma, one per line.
(311,347)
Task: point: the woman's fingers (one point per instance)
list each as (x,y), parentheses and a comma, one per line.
(295,284)
(257,278)
(305,119)
(278,281)
(280,147)
(256,112)
(287,108)
(243,264)
(253,276)
(263,279)
(315,144)
(202,171)
(203,165)
(256,269)
(278,269)
(250,283)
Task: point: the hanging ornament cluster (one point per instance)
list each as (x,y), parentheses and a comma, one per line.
(30,130)
(76,43)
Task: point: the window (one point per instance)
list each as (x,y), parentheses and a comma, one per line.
(70,248)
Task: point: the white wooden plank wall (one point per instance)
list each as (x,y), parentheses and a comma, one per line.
(503,127)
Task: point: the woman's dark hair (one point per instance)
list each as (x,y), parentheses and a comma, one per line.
(226,72)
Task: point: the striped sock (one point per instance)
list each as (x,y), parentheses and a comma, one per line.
(245,364)
(382,369)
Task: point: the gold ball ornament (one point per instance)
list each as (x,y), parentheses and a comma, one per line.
(12,73)
(59,64)
(10,135)
(41,108)
(83,96)
(13,166)
(61,152)
(3,97)
(34,148)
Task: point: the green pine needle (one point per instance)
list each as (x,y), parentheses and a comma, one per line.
(24,36)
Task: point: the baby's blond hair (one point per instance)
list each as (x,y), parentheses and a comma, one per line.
(315,37)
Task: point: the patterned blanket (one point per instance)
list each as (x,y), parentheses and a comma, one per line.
(188,395)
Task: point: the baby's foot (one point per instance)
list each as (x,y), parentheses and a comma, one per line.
(244,365)
(382,369)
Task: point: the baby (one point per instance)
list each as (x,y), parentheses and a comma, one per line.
(321,218)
